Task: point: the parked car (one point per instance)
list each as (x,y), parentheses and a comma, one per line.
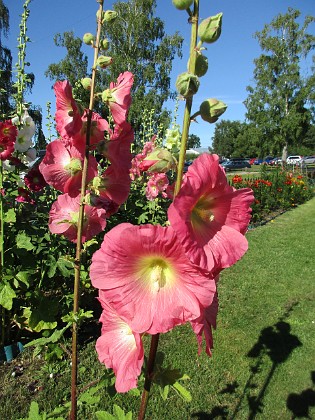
(308,160)
(267,160)
(258,161)
(294,159)
(252,161)
(235,164)
(276,161)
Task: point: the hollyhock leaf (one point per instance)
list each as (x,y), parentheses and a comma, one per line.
(137,270)
(10,216)
(7,294)
(24,241)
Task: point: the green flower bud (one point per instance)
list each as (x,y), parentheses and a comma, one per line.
(104,44)
(109,16)
(173,138)
(88,38)
(86,82)
(187,84)
(182,4)
(164,160)
(201,65)
(209,29)
(211,109)
(104,61)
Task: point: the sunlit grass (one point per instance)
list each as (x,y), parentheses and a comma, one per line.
(264,345)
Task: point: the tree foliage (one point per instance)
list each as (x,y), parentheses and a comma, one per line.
(5,63)
(224,141)
(138,43)
(193,141)
(281,102)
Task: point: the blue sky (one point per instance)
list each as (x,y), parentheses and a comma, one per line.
(230,58)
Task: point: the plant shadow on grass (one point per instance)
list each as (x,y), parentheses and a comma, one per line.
(276,343)
(299,404)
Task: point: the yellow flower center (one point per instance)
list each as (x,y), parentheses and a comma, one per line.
(201,213)
(155,272)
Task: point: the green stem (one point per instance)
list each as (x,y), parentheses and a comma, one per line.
(78,258)
(2,252)
(186,122)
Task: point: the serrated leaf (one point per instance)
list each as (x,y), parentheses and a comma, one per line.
(10,216)
(23,277)
(56,335)
(65,266)
(24,241)
(7,294)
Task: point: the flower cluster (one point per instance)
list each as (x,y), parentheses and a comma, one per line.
(153,278)
(8,134)
(107,187)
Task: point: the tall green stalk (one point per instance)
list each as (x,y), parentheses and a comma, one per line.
(2,251)
(186,124)
(78,258)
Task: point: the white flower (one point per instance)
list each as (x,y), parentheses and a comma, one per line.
(23,141)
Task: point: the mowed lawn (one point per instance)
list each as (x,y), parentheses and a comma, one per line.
(263,363)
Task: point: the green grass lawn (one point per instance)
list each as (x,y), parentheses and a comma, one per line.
(263,358)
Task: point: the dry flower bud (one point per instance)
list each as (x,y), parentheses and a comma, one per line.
(209,29)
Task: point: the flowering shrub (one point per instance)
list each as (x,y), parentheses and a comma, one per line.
(275,191)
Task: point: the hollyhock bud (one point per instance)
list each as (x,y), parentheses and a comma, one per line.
(209,29)
(182,4)
(159,160)
(104,44)
(86,82)
(187,84)
(201,67)
(211,109)
(88,38)
(104,61)
(109,16)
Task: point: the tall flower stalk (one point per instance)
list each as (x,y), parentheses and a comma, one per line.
(194,16)
(77,266)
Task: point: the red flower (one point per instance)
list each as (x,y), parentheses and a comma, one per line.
(34,180)
(24,196)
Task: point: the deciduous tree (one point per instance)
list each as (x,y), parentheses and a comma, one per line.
(280,103)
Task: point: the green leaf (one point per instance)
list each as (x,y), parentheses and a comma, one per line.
(143,218)
(51,262)
(164,392)
(119,414)
(182,391)
(24,241)
(104,415)
(65,266)
(23,277)
(10,216)
(56,335)
(7,294)
(33,414)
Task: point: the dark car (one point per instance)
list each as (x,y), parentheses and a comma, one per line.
(232,165)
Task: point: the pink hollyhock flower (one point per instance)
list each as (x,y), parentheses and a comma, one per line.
(34,180)
(204,325)
(118,97)
(24,196)
(68,118)
(157,183)
(137,162)
(64,216)
(148,279)
(209,216)
(113,185)
(98,127)
(62,167)
(119,348)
